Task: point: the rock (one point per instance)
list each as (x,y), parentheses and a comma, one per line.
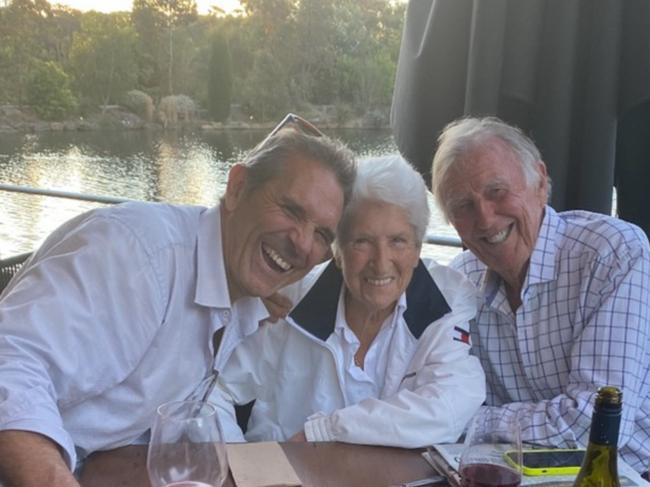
(85,125)
(40,126)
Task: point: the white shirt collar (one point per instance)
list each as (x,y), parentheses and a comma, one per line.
(211,282)
(343,329)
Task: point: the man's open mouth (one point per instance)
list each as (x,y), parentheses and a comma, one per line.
(274,260)
(501,236)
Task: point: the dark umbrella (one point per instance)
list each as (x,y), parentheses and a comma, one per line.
(568,72)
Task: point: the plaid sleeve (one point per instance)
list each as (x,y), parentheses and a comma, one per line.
(609,345)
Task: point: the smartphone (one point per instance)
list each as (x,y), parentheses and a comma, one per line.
(548,462)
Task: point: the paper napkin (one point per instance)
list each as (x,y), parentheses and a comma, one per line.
(261,465)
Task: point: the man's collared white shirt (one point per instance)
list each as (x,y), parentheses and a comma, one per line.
(113,316)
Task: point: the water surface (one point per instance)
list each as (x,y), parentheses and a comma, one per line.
(177,167)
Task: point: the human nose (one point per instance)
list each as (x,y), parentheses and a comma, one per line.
(484,214)
(381,256)
(303,239)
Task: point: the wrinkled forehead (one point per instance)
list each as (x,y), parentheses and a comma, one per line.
(309,170)
(493,159)
(310,180)
(295,165)
(483,167)
(371,215)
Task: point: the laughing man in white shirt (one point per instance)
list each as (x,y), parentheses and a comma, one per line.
(116,312)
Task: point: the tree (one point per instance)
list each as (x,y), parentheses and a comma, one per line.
(65,22)
(23,24)
(284,54)
(48,91)
(103,57)
(156,18)
(149,50)
(266,90)
(367,45)
(220,79)
(267,85)
(315,56)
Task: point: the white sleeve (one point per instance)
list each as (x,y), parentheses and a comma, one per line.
(75,323)
(443,388)
(245,375)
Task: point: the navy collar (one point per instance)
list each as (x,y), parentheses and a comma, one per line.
(316,312)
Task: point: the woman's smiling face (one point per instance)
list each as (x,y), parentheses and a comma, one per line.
(379,255)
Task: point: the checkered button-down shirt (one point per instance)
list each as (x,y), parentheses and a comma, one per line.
(584,322)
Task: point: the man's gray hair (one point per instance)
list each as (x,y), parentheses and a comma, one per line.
(266,161)
(388,179)
(463,135)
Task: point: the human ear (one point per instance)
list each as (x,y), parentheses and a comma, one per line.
(336,255)
(416,256)
(542,186)
(235,186)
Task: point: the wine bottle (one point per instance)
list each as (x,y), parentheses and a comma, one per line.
(599,467)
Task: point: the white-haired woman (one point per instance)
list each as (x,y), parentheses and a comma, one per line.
(376,350)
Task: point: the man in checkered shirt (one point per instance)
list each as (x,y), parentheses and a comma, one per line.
(564,302)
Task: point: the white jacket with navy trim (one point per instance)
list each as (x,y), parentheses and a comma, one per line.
(432,386)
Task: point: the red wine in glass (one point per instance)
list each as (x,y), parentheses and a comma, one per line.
(489,475)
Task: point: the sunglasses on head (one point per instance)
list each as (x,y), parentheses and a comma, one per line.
(297,123)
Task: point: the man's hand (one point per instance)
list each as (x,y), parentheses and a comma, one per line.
(278,306)
(299,437)
(31,460)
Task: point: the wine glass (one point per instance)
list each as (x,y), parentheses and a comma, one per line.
(492,454)
(187,447)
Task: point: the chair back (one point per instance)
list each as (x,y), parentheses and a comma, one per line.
(9,267)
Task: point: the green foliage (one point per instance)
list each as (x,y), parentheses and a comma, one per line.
(266,90)
(219,80)
(102,58)
(155,22)
(284,54)
(48,91)
(22,40)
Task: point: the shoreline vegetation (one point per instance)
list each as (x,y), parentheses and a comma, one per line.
(19,119)
(162,64)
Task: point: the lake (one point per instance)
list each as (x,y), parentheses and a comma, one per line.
(178,167)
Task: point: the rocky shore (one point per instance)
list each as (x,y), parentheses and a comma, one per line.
(15,119)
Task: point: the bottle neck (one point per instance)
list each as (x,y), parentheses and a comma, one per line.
(604,427)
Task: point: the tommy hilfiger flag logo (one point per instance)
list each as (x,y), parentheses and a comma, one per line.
(461,335)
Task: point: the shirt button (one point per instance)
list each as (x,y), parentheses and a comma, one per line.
(226,315)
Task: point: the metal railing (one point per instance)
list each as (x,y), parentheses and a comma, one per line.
(430,238)
(109,200)
(445,241)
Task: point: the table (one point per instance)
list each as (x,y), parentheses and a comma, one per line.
(327,464)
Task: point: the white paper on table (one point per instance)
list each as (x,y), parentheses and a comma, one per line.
(261,465)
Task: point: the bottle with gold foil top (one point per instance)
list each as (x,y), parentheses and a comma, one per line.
(599,467)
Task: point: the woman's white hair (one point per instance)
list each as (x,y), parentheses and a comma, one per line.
(388,179)
(462,136)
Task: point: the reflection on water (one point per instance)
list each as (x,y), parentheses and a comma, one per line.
(178,167)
